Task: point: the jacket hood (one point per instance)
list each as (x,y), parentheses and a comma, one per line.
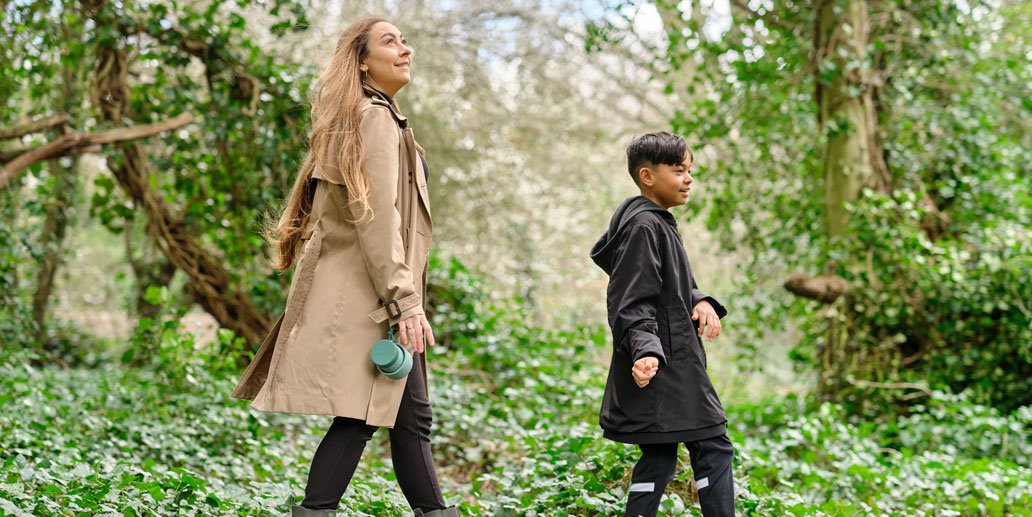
(602,251)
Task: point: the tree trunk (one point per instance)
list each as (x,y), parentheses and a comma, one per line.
(209,281)
(65,185)
(847,119)
(845,107)
(62,201)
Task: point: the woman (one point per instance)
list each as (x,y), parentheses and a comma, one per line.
(359,211)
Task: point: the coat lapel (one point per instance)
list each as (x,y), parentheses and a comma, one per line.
(417,167)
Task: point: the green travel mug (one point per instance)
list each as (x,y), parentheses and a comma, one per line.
(390,358)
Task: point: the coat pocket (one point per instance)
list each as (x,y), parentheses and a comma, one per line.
(682,332)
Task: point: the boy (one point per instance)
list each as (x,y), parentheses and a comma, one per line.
(658,394)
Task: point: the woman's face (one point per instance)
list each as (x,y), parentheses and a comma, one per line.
(388,61)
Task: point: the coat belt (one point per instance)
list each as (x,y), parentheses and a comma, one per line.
(404,304)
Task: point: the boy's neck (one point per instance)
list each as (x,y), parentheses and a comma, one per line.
(652,197)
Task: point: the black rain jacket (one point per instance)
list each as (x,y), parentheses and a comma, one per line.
(650,297)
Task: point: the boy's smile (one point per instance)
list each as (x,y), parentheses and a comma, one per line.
(667,185)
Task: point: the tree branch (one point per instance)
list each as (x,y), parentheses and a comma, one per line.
(211,283)
(34,126)
(921,389)
(69,142)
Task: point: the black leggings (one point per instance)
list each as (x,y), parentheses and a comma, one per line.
(337,457)
(711,462)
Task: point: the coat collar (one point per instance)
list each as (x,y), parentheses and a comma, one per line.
(378,97)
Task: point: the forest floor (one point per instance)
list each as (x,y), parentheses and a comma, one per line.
(515,429)
(515,433)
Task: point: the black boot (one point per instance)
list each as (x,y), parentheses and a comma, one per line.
(300,511)
(296,510)
(450,511)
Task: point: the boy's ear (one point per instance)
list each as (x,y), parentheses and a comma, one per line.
(645,177)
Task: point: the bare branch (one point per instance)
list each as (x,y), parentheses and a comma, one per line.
(69,142)
(921,389)
(34,126)
(136,132)
(46,151)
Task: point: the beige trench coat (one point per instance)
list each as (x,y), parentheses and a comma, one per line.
(351,281)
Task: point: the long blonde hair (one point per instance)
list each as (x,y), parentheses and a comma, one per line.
(335,145)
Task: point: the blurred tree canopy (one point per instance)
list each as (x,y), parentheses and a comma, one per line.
(872,156)
(198,191)
(195,198)
(879,151)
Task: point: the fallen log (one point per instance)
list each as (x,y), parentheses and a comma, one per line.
(825,288)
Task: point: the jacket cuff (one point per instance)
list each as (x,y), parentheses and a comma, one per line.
(408,313)
(645,344)
(717,306)
(397,310)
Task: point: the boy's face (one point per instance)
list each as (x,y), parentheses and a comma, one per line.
(669,185)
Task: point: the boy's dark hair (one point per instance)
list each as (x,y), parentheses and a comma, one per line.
(653,149)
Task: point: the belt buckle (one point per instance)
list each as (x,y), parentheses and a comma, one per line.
(397,307)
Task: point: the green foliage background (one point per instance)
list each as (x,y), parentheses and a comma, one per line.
(938,264)
(146,426)
(514,434)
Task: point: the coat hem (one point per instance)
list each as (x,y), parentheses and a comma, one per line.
(682,436)
(322,412)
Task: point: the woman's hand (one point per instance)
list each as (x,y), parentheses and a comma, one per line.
(411,331)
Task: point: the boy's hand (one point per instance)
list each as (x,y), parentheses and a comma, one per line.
(708,320)
(644,370)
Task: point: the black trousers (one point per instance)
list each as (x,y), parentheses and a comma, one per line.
(337,457)
(711,461)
